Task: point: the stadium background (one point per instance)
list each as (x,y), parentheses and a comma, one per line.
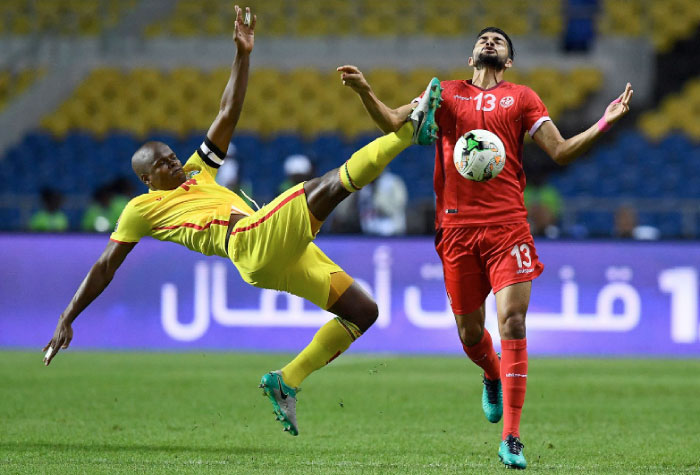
(84,82)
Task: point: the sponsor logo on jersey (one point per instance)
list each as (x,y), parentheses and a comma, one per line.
(507,101)
(462,98)
(192,173)
(515,375)
(524,271)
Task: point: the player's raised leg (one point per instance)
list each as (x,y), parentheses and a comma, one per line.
(356,311)
(512,303)
(477,344)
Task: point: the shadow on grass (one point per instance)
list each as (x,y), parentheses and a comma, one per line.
(138,448)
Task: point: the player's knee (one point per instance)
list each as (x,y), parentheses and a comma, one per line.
(470,333)
(513,325)
(365,314)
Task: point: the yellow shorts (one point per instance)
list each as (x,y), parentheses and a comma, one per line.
(273,249)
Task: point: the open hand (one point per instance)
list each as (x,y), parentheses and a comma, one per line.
(62,337)
(620,106)
(353,78)
(244,33)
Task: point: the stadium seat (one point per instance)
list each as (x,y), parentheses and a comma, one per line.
(62,17)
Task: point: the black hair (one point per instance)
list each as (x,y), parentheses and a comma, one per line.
(494,29)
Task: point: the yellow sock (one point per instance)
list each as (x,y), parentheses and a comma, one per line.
(368,163)
(329,342)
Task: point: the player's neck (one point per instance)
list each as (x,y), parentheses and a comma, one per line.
(486,78)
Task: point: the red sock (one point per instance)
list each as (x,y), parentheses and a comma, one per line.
(484,356)
(514,381)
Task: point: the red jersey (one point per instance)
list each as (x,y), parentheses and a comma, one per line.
(508,110)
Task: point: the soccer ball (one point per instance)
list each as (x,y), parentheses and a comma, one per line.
(479,155)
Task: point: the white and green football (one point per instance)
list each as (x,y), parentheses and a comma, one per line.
(479,155)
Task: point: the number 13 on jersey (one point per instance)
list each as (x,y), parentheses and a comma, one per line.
(488,101)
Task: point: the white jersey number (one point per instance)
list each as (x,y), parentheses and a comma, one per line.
(523,249)
(489,102)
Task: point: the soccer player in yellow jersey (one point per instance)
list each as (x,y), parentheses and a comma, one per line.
(271,247)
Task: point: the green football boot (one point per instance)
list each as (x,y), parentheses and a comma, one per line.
(511,453)
(492,400)
(425,129)
(283,399)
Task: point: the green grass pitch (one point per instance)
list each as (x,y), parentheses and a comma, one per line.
(203,413)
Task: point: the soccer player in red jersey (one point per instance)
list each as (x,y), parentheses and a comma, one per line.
(483,237)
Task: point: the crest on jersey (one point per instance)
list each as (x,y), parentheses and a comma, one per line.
(192,173)
(507,101)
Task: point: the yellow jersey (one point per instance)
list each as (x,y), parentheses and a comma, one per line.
(195,214)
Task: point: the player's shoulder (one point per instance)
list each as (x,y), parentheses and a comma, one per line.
(139,200)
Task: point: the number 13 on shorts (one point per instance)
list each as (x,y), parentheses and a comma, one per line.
(521,252)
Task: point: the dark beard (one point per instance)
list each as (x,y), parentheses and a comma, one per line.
(490,61)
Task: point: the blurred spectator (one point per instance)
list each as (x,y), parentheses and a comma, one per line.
(297,168)
(50,217)
(627,225)
(382,206)
(229,174)
(421,219)
(544,205)
(97,217)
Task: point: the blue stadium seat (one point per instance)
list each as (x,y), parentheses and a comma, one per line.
(247,145)
(607,187)
(288,144)
(363,139)
(632,143)
(586,175)
(690,187)
(10,219)
(598,223)
(670,225)
(565,183)
(327,144)
(74,218)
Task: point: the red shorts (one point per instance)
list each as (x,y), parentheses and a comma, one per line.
(477,259)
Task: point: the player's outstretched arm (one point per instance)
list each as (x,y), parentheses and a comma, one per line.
(222,128)
(386,118)
(94,283)
(564,151)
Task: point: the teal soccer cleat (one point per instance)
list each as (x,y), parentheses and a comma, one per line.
(511,453)
(425,129)
(283,399)
(492,400)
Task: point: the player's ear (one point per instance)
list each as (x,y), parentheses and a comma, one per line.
(145,179)
(509,63)
(470,61)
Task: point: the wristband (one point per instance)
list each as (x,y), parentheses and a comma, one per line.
(604,125)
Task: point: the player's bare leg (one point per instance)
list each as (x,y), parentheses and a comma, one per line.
(512,303)
(477,344)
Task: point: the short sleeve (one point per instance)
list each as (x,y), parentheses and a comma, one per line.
(534,111)
(131,226)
